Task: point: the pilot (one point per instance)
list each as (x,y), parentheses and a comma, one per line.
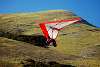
(51,41)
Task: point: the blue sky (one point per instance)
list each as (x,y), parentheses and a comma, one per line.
(87,9)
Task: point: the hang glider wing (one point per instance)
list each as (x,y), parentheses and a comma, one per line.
(50,29)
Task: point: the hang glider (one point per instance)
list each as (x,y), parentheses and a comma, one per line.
(51,29)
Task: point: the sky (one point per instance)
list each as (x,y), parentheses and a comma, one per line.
(87,9)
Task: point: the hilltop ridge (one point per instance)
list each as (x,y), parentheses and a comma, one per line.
(22,23)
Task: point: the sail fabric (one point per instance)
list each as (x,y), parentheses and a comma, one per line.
(51,29)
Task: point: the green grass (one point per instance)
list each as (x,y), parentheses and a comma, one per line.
(77,37)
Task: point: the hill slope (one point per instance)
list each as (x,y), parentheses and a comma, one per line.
(78,44)
(25,23)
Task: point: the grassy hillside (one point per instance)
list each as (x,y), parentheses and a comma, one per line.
(78,44)
(24,23)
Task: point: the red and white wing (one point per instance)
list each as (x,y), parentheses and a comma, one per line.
(50,29)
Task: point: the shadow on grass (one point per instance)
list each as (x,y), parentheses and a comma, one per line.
(32,63)
(37,40)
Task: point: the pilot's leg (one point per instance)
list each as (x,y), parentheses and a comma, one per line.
(54,42)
